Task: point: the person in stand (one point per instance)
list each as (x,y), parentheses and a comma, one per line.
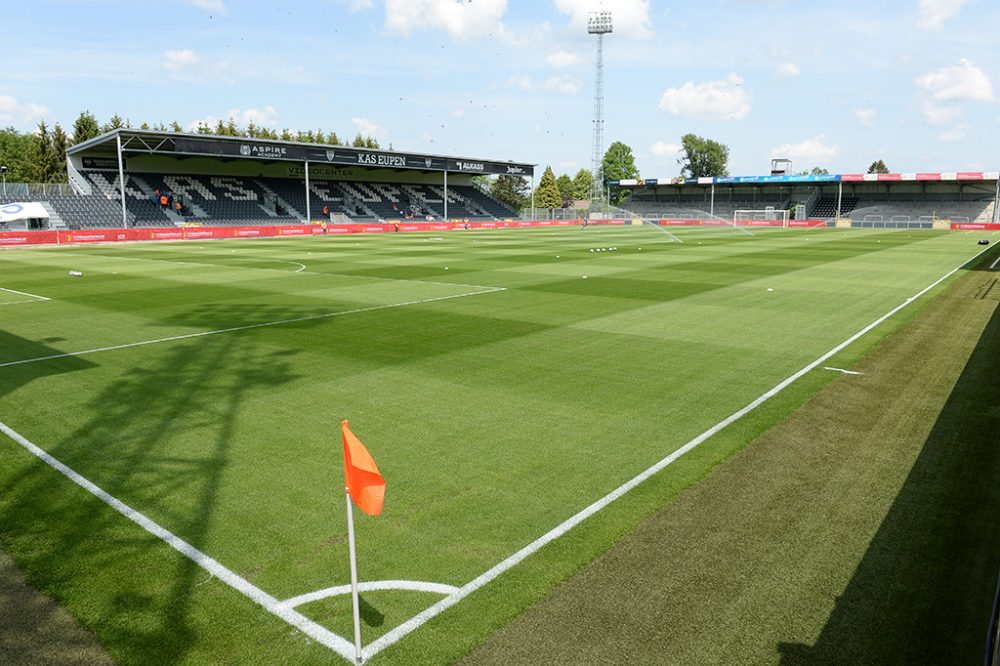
(164,201)
(326,212)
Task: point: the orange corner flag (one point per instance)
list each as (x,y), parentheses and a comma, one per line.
(361,476)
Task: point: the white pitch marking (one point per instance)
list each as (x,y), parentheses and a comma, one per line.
(305,625)
(846,372)
(371,586)
(416,621)
(187,336)
(994,264)
(35,297)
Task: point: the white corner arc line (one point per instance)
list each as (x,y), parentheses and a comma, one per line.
(416,621)
(247,327)
(24,293)
(370,586)
(320,634)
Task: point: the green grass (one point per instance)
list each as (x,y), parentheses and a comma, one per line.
(494,416)
(844,535)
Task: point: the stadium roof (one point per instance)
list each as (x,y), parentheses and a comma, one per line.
(812,178)
(182,145)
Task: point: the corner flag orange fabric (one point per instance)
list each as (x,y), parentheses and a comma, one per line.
(361,476)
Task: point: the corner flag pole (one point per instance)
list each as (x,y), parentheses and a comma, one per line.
(354,576)
(364,486)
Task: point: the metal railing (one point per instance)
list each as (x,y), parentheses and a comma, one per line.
(29,190)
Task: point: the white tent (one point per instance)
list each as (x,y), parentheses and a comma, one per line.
(16,212)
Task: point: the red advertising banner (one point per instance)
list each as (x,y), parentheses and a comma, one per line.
(975,226)
(25,238)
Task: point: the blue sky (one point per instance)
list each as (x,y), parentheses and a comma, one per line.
(830,84)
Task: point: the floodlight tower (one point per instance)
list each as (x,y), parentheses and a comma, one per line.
(598,23)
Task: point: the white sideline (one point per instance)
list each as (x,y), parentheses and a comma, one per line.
(187,336)
(370,586)
(416,621)
(994,264)
(305,625)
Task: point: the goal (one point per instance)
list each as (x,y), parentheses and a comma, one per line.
(764,217)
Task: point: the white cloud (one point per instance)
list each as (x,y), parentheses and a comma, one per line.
(937,114)
(561,59)
(630,17)
(956,133)
(461,19)
(569,165)
(865,116)
(810,151)
(217,6)
(369,127)
(933,13)
(725,99)
(266,117)
(962,81)
(360,5)
(563,83)
(21,115)
(186,65)
(174,61)
(458,113)
(786,70)
(664,149)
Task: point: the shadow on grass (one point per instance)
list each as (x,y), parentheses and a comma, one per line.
(924,589)
(158,437)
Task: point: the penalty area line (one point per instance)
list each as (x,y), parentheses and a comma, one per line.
(320,634)
(418,620)
(34,297)
(247,327)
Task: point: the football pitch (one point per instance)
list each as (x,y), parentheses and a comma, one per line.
(170,468)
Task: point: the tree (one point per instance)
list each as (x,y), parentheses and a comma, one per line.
(878,166)
(85,127)
(547,193)
(581,184)
(566,190)
(371,142)
(59,143)
(44,156)
(116,122)
(703,157)
(618,164)
(359,141)
(176,127)
(333,140)
(481,181)
(511,190)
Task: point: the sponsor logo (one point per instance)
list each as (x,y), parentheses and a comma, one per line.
(514,170)
(330,154)
(382,160)
(11,209)
(471,166)
(427,162)
(259,150)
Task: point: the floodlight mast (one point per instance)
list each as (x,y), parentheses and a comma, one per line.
(598,23)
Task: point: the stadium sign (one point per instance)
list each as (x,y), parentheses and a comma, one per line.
(291,152)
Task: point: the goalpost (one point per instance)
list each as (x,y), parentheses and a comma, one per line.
(747,217)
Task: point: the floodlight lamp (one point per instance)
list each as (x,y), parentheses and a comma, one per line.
(599,23)
(3,169)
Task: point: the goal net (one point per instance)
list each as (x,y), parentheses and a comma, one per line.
(764,217)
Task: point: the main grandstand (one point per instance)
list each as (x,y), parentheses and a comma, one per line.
(172,179)
(893,200)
